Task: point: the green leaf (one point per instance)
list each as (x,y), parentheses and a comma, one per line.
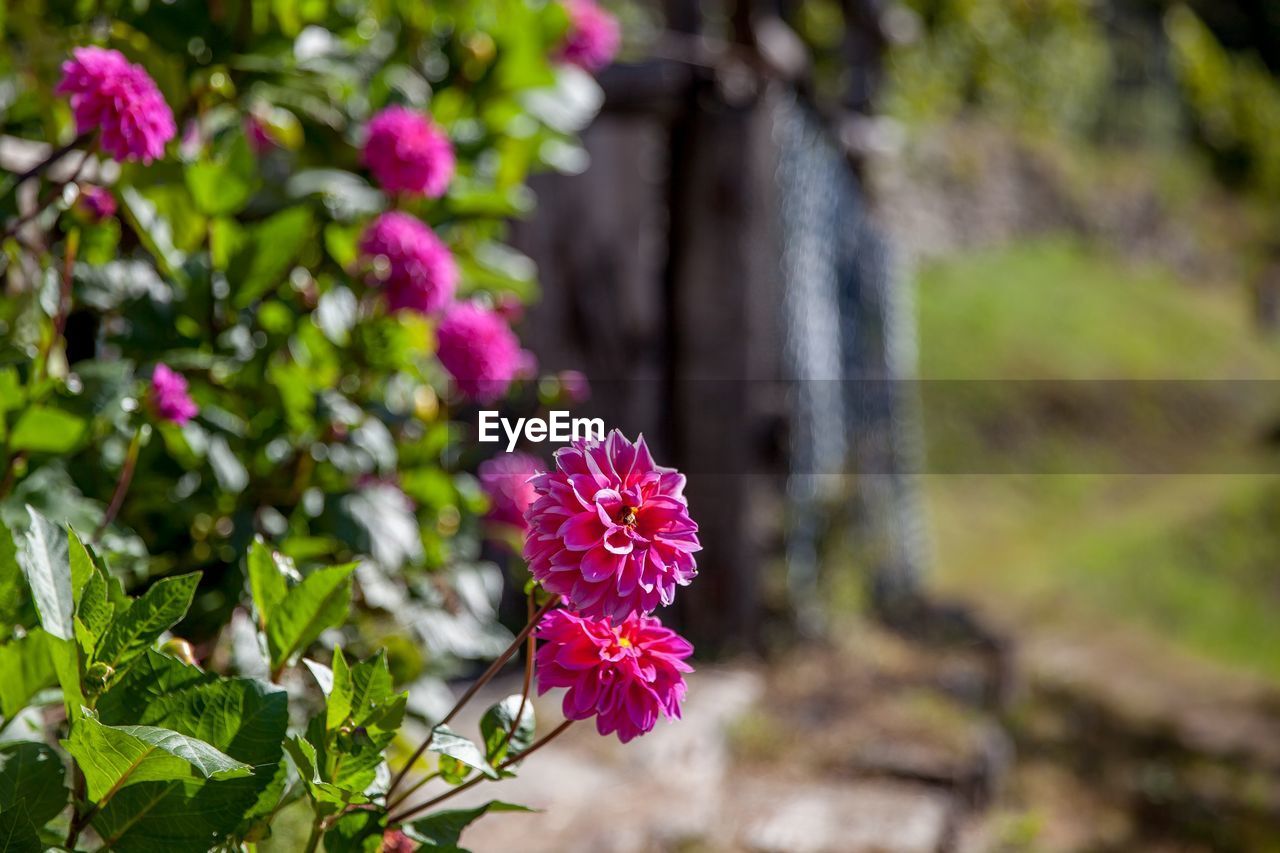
(112,757)
(441,831)
(17,833)
(82,565)
(306,760)
(446,741)
(13,589)
(268,251)
(152,229)
(45,430)
(42,553)
(32,781)
(225,184)
(268,572)
(321,601)
(356,832)
(159,608)
(359,692)
(243,718)
(26,668)
(153,677)
(499,720)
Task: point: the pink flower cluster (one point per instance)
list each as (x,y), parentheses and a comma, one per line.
(505,480)
(119,99)
(407,153)
(413,264)
(610,533)
(623,675)
(480,351)
(169,396)
(593,36)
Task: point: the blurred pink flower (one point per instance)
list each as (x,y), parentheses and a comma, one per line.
(415,265)
(395,841)
(260,139)
(407,153)
(575,386)
(510,307)
(480,351)
(610,530)
(593,36)
(505,480)
(169,396)
(625,676)
(99,203)
(110,94)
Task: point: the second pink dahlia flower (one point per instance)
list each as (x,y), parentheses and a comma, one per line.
(593,36)
(407,153)
(610,530)
(505,479)
(415,265)
(169,396)
(624,675)
(480,351)
(111,94)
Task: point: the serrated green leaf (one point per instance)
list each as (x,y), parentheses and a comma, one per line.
(32,780)
(42,553)
(441,831)
(268,578)
(499,720)
(112,757)
(320,601)
(359,691)
(446,741)
(306,760)
(243,718)
(152,677)
(159,608)
(26,668)
(46,430)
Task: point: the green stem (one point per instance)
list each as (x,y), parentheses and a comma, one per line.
(122,485)
(484,679)
(539,744)
(313,841)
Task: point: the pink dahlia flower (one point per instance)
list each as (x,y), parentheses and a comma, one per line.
(415,265)
(110,94)
(480,351)
(610,530)
(593,36)
(625,676)
(169,396)
(505,480)
(99,203)
(407,153)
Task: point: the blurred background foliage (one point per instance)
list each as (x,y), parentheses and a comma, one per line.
(325,422)
(1090,189)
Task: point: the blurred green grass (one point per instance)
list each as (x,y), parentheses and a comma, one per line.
(1191,558)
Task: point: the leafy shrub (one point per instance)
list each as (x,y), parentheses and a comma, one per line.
(323,415)
(255,266)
